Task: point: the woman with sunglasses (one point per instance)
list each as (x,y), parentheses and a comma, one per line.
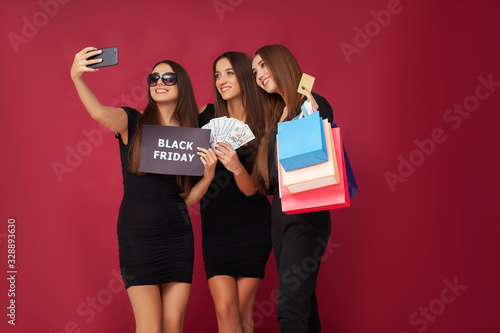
(155,236)
(236,218)
(299,240)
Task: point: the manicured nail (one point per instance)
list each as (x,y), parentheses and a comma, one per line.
(303,88)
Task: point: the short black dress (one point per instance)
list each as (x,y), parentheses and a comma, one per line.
(236,228)
(155,236)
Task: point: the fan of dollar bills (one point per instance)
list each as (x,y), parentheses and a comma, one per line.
(229,130)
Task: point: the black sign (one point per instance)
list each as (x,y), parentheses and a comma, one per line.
(172,150)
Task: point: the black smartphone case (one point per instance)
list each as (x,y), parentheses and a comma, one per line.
(109,57)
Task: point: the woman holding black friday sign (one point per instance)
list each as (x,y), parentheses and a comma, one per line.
(296,238)
(156,243)
(236,218)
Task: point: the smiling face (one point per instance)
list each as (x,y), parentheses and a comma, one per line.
(162,93)
(263,75)
(225,80)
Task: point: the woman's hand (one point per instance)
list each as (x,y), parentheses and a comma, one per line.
(228,156)
(209,160)
(310,98)
(80,63)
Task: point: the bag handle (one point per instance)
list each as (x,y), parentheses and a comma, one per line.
(306,110)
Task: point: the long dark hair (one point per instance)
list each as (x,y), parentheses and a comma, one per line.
(186,112)
(251,99)
(286,73)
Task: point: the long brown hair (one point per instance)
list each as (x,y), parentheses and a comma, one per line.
(251,100)
(286,73)
(186,112)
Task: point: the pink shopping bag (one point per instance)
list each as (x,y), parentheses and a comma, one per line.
(324,198)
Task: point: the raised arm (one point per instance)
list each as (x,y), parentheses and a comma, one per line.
(321,104)
(114,119)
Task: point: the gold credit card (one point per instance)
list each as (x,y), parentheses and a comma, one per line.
(307,82)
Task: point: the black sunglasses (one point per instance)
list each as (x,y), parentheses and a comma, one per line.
(169,79)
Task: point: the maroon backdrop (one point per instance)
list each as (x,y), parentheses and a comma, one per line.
(415,87)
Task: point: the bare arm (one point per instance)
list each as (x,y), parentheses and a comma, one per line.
(232,163)
(244,182)
(209,160)
(114,119)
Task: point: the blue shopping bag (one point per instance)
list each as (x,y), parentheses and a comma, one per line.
(302,142)
(351,181)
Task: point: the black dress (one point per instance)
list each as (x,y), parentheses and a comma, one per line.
(236,228)
(155,236)
(299,242)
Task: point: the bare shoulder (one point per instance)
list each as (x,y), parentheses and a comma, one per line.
(202,108)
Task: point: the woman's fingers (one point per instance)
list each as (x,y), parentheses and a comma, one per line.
(212,156)
(202,153)
(229,158)
(225,146)
(209,161)
(87,55)
(80,63)
(310,98)
(207,155)
(224,151)
(87,49)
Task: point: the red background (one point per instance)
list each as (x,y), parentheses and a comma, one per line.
(393,249)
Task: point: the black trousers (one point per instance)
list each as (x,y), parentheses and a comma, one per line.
(299,242)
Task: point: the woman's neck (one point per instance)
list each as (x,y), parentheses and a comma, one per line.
(167,114)
(236,110)
(284,114)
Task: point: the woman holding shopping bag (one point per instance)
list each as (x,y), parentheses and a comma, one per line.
(299,240)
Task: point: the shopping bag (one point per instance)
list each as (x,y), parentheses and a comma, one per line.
(351,181)
(302,142)
(324,198)
(318,175)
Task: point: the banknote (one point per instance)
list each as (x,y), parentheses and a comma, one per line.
(229,130)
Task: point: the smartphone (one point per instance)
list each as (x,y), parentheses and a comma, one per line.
(109,57)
